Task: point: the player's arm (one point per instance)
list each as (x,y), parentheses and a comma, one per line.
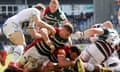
(96,68)
(34,34)
(61,56)
(63,18)
(45,36)
(43,24)
(90,32)
(69,43)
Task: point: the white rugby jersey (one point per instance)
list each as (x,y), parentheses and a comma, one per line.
(113,37)
(24,17)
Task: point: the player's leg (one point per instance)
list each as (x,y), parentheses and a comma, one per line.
(14,33)
(19,40)
(96,68)
(19,65)
(35,60)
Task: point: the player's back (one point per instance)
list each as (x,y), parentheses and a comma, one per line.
(24,15)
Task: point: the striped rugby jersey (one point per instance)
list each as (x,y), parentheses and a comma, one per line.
(57,41)
(106,41)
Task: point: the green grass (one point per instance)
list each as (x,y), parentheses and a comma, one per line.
(7,61)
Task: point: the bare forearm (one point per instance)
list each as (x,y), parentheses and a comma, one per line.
(91,32)
(34,34)
(43,24)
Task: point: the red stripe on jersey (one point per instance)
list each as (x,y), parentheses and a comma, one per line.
(47,9)
(32,44)
(110,47)
(38,40)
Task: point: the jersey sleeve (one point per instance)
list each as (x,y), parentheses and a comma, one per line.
(105,35)
(62,15)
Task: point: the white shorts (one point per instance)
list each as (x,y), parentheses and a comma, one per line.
(9,28)
(92,54)
(33,55)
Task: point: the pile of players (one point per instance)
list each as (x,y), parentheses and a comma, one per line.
(52,49)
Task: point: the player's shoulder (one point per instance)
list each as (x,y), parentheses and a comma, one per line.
(30,10)
(112,30)
(47,9)
(59,11)
(34,9)
(57,29)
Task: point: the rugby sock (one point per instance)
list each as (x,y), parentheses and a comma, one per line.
(17,52)
(4,54)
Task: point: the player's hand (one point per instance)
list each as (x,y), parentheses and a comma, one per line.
(78,34)
(119,22)
(52,47)
(52,30)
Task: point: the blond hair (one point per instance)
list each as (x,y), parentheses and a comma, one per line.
(54,1)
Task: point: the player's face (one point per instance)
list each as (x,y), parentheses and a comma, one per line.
(53,7)
(73,55)
(118,2)
(64,33)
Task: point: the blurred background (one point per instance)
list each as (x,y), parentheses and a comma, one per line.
(81,13)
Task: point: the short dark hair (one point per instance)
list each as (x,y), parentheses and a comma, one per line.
(75,49)
(40,6)
(69,27)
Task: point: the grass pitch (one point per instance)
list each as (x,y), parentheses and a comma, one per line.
(7,61)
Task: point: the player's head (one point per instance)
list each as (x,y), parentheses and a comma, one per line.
(41,8)
(53,5)
(66,31)
(96,25)
(107,24)
(118,2)
(74,52)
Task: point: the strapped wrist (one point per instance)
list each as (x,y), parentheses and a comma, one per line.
(82,34)
(48,41)
(118,17)
(52,47)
